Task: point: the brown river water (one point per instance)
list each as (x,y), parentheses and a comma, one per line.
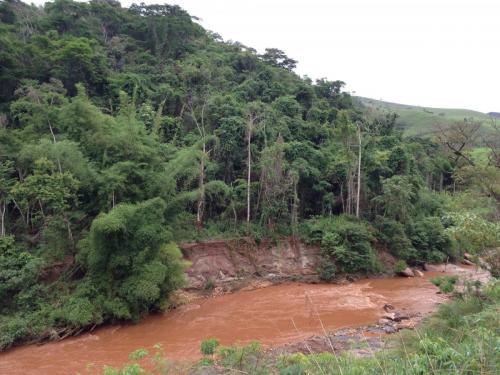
(274,315)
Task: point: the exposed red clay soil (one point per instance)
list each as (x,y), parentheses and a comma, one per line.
(228,262)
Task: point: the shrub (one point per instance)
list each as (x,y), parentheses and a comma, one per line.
(492,258)
(400,266)
(208,346)
(76,312)
(446,284)
(246,358)
(345,243)
(142,361)
(205,362)
(472,233)
(326,269)
(131,266)
(18,271)
(392,234)
(6,244)
(138,354)
(429,238)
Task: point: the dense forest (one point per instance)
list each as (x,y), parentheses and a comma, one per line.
(125,131)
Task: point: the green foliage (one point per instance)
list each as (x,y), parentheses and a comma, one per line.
(397,197)
(327,269)
(18,271)
(77,312)
(446,284)
(345,243)
(422,238)
(243,358)
(400,266)
(472,233)
(144,361)
(129,260)
(44,192)
(138,354)
(393,235)
(208,346)
(431,241)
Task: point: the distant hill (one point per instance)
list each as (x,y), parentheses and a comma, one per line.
(494,114)
(415,120)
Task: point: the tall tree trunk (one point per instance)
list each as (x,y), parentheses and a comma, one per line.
(55,142)
(349,192)
(20,211)
(201,198)
(70,233)
(200,126)
(342,198)
(235,216)
(249,169)
(2,217)
(295,206)
(359,171)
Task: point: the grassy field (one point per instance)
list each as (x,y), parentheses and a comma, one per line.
(414,120)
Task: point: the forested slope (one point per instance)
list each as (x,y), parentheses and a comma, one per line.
(123,131)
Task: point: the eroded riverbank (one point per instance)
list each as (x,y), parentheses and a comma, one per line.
(276,316)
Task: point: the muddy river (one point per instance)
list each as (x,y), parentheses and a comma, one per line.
(274,315)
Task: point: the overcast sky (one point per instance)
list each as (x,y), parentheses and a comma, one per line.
(441,53)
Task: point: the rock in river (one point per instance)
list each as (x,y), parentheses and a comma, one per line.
(407,272)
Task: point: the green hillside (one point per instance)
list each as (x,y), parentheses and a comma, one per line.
(415,120)
(126,131)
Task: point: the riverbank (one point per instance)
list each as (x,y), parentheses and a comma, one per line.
(276,316)
(216,267)
(219,267)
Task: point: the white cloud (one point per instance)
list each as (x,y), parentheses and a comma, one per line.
(441,53)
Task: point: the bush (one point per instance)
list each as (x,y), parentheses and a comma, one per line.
(345,243)
(400,266)
(77,312)
(492,258)
(18,271)
(446,284)
(326,269)
(25,325)
(431,241)
(392,234)
(131,266)
(472,233)
(208,346)
(246,359)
